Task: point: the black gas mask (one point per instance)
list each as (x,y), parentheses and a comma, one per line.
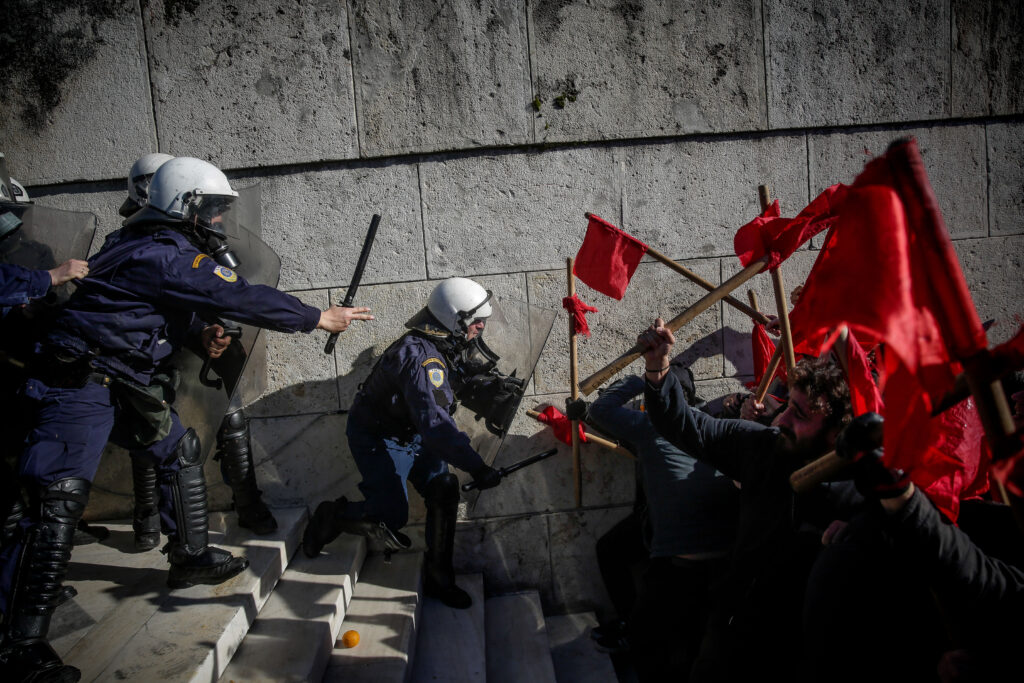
(491,395)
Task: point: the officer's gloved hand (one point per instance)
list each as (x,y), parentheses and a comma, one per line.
(486,477)
(864,433)
(861,444)
(576,410)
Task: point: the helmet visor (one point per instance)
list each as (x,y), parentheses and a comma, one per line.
(212,210)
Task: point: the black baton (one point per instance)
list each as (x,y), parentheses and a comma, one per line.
(505,471)
(356,277)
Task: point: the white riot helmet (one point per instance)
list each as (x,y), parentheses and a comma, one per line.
(193,191)
(138,181)
(457,302)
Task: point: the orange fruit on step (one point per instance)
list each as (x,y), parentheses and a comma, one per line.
(350,638)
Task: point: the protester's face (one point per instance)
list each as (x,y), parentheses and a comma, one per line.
(476,328)
(803,429)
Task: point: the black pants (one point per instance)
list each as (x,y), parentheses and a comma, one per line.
(621,555)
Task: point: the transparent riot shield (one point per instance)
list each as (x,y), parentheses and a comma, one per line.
(211,387)
(512,341)
(39,238)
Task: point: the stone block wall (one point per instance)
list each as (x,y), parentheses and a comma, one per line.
(482,130)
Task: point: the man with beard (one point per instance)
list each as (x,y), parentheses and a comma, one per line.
(754,625)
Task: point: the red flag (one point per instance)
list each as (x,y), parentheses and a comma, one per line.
(578,310)
(607,258)
(560,424)
(865,396)
(780,237)
(887,269)
(762,348)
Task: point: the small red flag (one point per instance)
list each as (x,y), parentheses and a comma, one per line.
(607,258)
(560,424)
(770,235)
(763,348)
(578,310)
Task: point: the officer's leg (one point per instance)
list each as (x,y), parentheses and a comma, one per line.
(384,465)
(236,466)
(13,505)
(192,559)
(146,517)
(440,490)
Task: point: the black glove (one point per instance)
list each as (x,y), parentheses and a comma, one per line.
(486,477)
(576,410)
(864,433)
(875,480)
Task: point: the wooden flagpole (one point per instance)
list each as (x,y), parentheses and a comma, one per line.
(780,294)
(577,471)
(593,438)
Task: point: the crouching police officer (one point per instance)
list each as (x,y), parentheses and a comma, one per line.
(147,289)
(400,428)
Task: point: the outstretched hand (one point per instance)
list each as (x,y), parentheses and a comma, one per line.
(338,318)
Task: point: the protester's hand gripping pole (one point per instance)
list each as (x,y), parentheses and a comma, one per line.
(357,276)
(693,277)
(607,372)
(577,469)
(780,294)
(592,438)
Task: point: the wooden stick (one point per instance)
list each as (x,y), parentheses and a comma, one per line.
(604,374)
(752,295)
(780,293)
(577,470)
(594,438)
(823,469)
(769,374)
(701,282)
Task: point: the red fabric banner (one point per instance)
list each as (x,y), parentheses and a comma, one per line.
(762,347)
(578,310)
(607,258)
(560,424)
(768,234)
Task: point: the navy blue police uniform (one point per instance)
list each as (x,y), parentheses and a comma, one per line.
(400,428)
(147,290)
(20,285)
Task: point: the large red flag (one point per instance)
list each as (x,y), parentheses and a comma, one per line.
(887,269)
(607,258)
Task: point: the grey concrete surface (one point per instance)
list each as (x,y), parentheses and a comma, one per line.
(517,641)
(992,269)
(511,552)
(102,119)
(450,642)
(576,579)
(268,81)
(954,157)
(576,658)
(836,63)
(987,41)
(440,75)
(504,212)
(616,70)
(1006,178)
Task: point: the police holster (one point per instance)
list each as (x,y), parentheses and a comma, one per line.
(493,397)
(144,411)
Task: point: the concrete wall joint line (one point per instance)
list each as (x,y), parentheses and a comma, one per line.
(764,58)
(423,220)
(149,76)
(529,63)
(355,81)
(988,184)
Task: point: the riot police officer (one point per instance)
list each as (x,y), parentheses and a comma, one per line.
(234,450)
(150,285)
(400,428)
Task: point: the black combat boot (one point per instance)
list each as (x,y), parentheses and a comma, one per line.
(146,517)
(25,655)
(235,455)
(442,498)
(192,559)
(329,522)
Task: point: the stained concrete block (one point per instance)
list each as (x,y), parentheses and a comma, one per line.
(317,223)
(573,653)
(954,157)
(517,641)
(506,212)
(613,70)
(300,377)
(98,199)
(1006,177)
(738,353)
(835,63)
(716,388)
(994,270)
(304,459)
(450,645)
(688,199)
(575,576)
(91,67)
(511,552)
(654,290)
(257,85)
(440,75)
(988,70)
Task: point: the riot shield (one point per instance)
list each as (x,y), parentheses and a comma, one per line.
(210,388)
(514,337)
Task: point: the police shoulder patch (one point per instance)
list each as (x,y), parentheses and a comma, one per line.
(225,274)
(436,376)
(198,259)
(433,359)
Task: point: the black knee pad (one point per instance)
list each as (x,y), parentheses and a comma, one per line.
(188,450)
(442,490)
(233,426)
(64,500)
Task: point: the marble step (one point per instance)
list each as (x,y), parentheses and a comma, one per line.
(517,640)
(573,652)
(125,624)
(385,610)
(450,643)
(292,638)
